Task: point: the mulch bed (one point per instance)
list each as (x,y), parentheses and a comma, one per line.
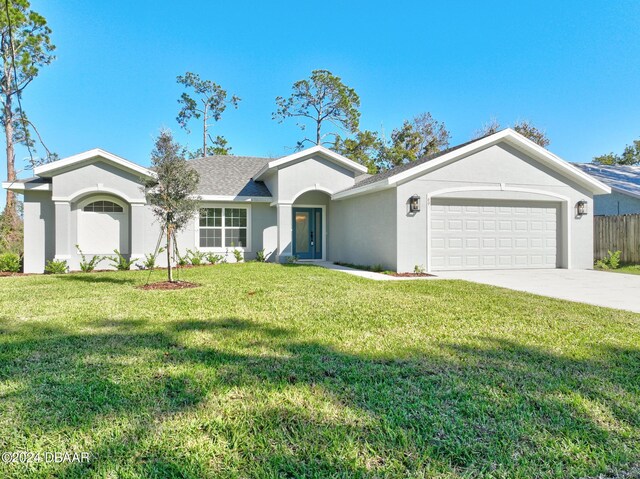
(411,275)
(4,274)
(165,285)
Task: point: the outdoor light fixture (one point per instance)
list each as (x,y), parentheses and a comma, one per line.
(414,204)
(581,207)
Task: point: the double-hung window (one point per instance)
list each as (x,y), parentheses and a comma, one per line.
(223,227)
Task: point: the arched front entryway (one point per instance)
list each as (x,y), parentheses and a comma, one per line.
(103,225)
(309,225)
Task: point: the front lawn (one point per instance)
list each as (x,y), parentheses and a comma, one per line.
(297,371)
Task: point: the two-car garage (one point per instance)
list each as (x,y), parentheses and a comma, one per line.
(489,234)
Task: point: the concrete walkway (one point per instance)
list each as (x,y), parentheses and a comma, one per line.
(612,290)
(367,274)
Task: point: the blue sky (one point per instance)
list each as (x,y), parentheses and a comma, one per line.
(573,68)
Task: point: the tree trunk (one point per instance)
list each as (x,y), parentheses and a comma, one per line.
(169,271)
(318,138)
(10,211)
(204,131)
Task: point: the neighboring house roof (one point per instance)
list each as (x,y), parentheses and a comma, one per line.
(390,178)
(51,169)
(330,155)
(621,178)
(228,175)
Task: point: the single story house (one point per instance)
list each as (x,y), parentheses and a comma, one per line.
(624,181)
(497,202)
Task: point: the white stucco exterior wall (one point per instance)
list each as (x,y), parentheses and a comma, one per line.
(363,230)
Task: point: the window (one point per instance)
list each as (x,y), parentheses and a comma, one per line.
(223,227)
(103,207)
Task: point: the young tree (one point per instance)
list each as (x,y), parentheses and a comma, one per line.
(171,193)
(212,100)
(630,156)
(322,98)
(25,47)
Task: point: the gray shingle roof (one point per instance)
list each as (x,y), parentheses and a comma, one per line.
(230,175)
(621,177)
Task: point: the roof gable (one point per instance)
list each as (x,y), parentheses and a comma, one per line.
(308,153)
(412,170)
(87,157)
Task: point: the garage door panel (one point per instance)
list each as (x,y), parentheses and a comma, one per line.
(493,235)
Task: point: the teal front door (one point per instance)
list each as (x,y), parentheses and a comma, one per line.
(307,233)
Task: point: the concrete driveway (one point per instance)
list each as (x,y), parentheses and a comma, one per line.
(612,290)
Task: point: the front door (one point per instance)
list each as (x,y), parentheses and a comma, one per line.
(307,233)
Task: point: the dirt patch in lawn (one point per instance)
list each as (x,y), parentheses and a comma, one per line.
(165,285)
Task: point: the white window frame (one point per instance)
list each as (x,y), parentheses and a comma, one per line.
(223,248)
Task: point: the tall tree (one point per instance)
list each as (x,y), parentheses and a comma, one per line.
(25,47)
(524,127)
(172,193)
(488,128)
(364,148)
(415,139)
(528,130)
(211,102)
(219,146)
(322,98)
(630,156)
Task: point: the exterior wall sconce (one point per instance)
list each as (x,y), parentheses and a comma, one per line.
(414,204)
(581,207)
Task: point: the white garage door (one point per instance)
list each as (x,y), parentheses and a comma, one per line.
(480,234)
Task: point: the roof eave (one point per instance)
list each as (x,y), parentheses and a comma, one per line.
(50,169)
(21,186)
(625,192)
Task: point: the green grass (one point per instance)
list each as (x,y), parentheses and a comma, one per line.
(628,269)
(297,371)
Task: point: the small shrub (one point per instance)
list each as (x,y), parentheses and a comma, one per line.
(419,269)
(214,258)
(56,267)
(614,259)
(261,256)
(9,263)
(150,260)
(120,262)
(238,255)
(182,260)
(88,266)
(376,268)
(196,257)
(292,259)
(611,261)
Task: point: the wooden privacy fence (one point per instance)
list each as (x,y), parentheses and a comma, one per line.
(612,233)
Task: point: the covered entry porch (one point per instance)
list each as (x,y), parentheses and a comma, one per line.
(302,227)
